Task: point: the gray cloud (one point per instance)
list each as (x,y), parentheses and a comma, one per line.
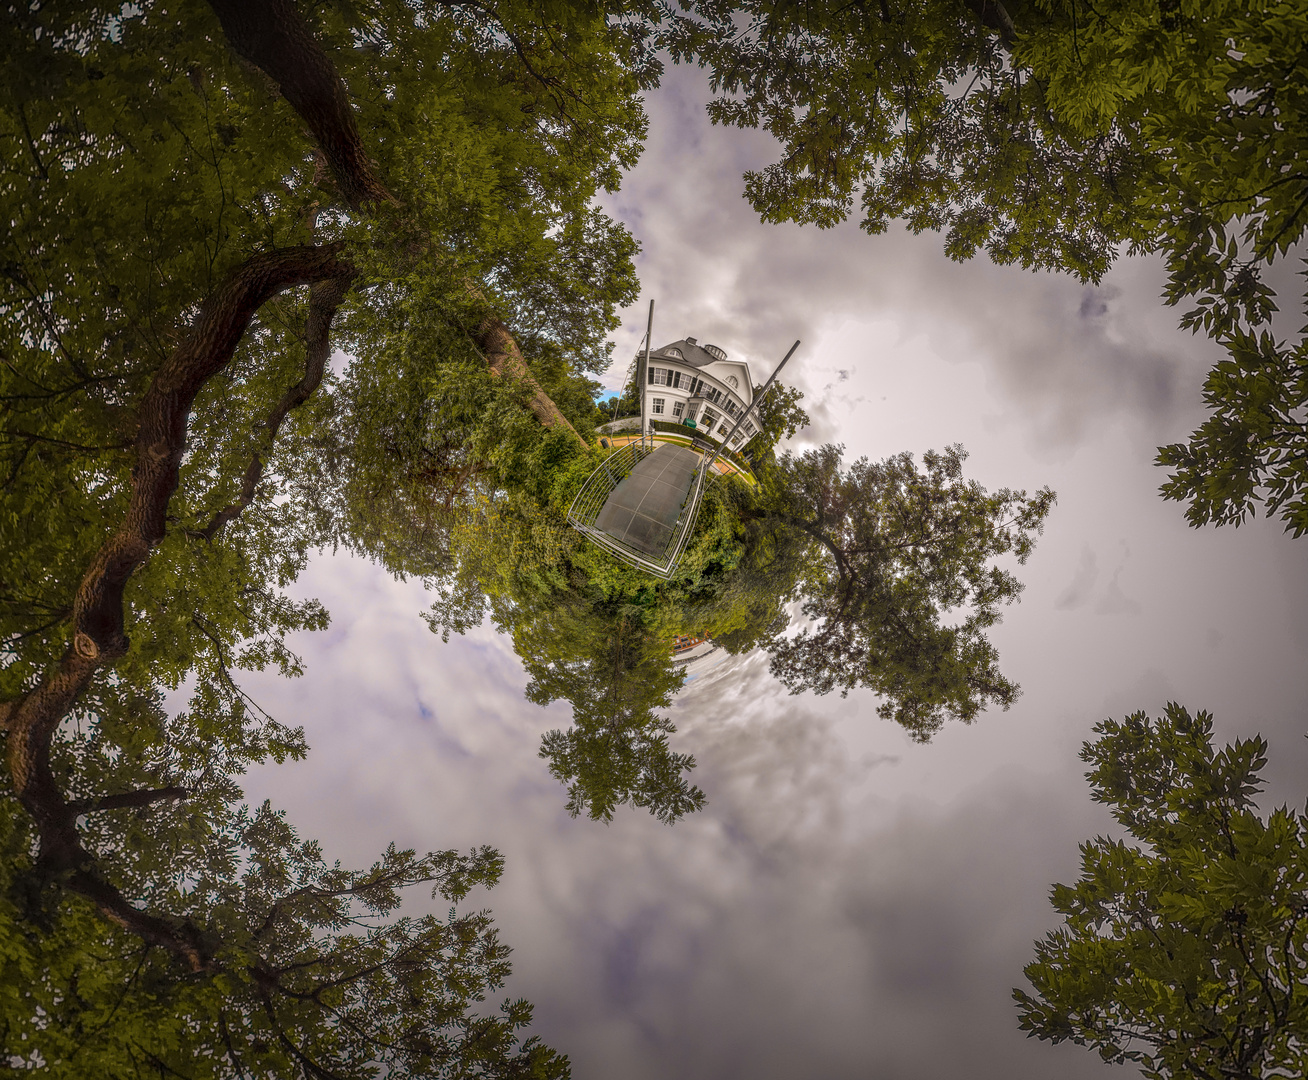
(1078,590)
(1114,601)
(849,904)
(786,932)
(1066,355)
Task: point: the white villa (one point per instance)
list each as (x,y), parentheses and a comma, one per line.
(697,386)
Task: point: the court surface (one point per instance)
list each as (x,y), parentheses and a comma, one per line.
(642,512)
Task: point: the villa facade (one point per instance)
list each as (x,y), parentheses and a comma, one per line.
(697,386)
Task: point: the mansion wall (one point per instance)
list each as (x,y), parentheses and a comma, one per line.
(710,400)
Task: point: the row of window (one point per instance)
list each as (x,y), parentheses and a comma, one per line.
(661,376)
(707,419)
(694,386)
(658,403)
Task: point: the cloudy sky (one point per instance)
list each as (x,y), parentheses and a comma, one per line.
(849,903)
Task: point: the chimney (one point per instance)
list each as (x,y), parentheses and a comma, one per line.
(691,341)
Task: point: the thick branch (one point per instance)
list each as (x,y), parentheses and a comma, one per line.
(127,799)
(995,17)
(180,937)
(97,618)
(271,35)
(504,357)
(31,144)
(813,530)
(324,298)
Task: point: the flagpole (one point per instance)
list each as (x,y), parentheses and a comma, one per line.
(643,373)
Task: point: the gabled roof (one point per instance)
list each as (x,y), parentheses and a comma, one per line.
(726,371)
(689,351)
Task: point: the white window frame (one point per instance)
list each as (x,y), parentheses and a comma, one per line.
(656,406)
(678,407)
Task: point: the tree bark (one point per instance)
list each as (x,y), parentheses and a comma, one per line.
(994,16)
(271,35)
(505,358)
(324,298)
(97,619)
(127,800)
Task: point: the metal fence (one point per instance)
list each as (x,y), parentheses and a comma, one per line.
(595,492)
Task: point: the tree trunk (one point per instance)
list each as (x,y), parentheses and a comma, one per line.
(271,35)
(505,358)
(97,619)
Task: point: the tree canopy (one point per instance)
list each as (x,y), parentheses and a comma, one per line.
(1184,947)
(894,569)
(889,553)
(195,224)
(311,974)
(1057,135)
(258,286)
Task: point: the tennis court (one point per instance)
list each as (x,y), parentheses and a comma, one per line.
(643,510)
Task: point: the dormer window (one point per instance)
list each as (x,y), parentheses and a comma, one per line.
(733,382)
(673,352)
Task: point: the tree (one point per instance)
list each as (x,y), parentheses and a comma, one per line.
(881,553)
(616,670)
(204,203)
(779,415)
(600,640)
(1184,949)
(1056,135)
(311,978)
(195,221)
(1252,447)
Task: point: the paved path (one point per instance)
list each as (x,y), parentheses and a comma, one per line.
(643,510)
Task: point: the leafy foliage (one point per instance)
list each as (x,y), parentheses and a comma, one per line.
(888,551)
(1186,950)
(302,941)
(616,671)
(182,256)
(1251,449)
(918,110)
(596,636)
(1055,134)
(143,168)
(779,416)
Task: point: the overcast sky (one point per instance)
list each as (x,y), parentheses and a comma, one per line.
(849,903)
